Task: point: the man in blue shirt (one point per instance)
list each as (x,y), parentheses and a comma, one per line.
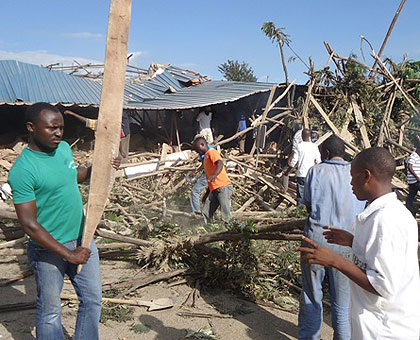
(330,201)
(241,119)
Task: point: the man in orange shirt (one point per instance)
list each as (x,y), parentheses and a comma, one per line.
(220,188)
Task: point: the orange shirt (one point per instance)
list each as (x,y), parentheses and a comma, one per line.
(210,159)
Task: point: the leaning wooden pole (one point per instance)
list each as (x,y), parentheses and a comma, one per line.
(388,34)
(110,115)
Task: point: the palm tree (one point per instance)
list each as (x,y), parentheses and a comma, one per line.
(277,35)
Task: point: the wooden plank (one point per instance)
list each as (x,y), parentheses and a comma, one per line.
(324,115)
(324,138)
(270,183)
(5,164)
(360,121)
(262,118)
(110,115)
(401,137)
(163,154)
(273,104)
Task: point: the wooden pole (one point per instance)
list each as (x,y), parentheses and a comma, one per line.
(388,34)
(110,115)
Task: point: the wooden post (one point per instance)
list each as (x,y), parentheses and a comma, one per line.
(178,140)
(270,99)
(110,115)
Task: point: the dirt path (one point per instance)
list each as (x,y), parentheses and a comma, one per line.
(242,319)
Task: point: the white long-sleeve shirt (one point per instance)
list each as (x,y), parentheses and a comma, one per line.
(306,156)
(385,246)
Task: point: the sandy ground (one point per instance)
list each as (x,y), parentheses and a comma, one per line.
(246,321)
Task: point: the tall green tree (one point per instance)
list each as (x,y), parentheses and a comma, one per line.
(277,35)
(234,71)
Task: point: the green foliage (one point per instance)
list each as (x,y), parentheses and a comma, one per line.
(119,313)
(275,34)
(232,70)
(409,70)
(139,329)
(111,216)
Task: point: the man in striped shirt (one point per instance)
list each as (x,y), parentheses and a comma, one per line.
(413,178)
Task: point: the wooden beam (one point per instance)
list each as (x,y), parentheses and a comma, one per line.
(324,115)
(361,123)
(110,116)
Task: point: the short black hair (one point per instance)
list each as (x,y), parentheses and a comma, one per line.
(334,145)
(32,112)
(199,138)
(378,160)
(306,133)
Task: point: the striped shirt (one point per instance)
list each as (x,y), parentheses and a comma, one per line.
(414,160)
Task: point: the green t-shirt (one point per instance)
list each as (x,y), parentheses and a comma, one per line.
(50,179)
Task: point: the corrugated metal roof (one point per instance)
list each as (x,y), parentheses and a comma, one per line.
(210,93)
(22,82)
(26,83)
(147,89)
(184,75)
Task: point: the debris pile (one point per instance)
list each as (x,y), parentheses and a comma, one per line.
(148,216)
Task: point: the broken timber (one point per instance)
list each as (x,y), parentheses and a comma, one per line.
(110,116)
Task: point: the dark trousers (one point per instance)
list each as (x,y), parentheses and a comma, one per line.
(300,187)
(412,193)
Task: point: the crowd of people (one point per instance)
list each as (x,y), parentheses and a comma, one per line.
(358,237)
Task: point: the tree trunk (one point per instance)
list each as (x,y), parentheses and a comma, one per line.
(284,69)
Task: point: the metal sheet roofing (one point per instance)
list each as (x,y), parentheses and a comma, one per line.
(210,93)
(148,89)
(22,83)
(27,83)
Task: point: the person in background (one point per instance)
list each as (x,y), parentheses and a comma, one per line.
(297,139)
(413,178)
(199,185)
(204,120)
(306,156)
(220,188)
(329,200)
(241,119)
(125,131)
(384,271)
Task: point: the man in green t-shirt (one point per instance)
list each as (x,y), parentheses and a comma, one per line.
(49,207)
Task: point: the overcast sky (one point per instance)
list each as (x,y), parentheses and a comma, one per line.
(200,35)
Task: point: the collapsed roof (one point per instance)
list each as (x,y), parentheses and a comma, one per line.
(167,88)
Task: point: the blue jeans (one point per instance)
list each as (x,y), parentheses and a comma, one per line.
(310,309)
(412,193)
(196,191)
(220,196)
(49,269)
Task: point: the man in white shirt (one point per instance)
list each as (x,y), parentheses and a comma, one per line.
(297,139)
(413,179)
(306,156)
(384,272)
(204,120)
